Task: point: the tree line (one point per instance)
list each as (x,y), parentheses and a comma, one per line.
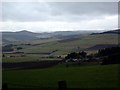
(108,55)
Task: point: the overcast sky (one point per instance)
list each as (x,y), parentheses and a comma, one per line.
(59,16)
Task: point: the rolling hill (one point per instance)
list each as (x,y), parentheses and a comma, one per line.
(68,42)
(109,32)
(9,37)
(67,46)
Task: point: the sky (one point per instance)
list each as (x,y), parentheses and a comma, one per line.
(59,16)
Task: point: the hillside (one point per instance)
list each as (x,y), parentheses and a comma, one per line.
(64,42)
(66,46)
(109,32)
(101,46)
(16,36)
(9,37)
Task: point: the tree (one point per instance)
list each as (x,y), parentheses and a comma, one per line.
(82,54)
(75,55)
(108,51)
(110,55)
(3,55)
(113,59)
(18,48)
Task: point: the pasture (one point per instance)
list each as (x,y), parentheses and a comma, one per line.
(84,77)
(26,58)
(65,47)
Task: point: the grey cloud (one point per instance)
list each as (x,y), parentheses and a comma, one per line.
(85,8)
(25,11)
(62,11)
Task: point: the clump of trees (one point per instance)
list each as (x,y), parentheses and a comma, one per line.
(109,55)
(104,56)
(75,55)
(108,51)
(19,48)
(112,59)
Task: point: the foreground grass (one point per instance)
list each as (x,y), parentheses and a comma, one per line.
(96,76)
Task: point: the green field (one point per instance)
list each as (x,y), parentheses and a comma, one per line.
(26,58)
(96,76)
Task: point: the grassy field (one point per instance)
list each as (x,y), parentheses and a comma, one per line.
(70,46)
(26,58)
(96,76)
(62,48)
(41,41)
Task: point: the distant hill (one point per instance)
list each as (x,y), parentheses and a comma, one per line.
(8,37)
(16,36)
(63,42)
(109,32)
(88,43)
(63,36)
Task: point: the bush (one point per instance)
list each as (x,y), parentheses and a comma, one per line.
(18,48)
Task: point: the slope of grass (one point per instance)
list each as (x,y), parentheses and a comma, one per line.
(26,58)
(63,48)
(69,46)
(39,41)
(76,77)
